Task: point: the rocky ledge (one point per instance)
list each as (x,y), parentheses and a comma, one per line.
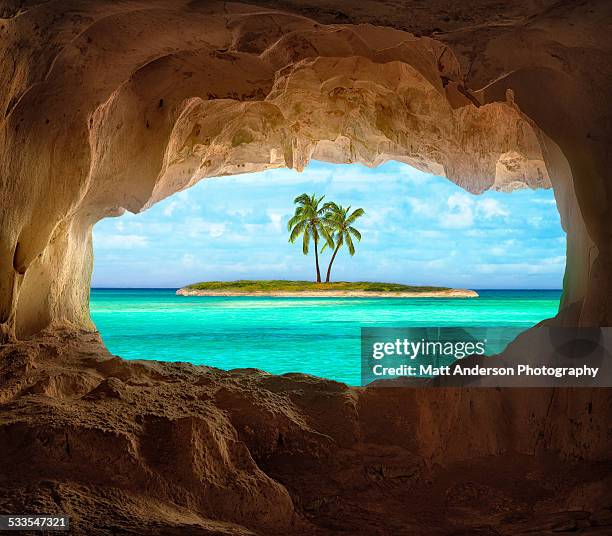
(144,447)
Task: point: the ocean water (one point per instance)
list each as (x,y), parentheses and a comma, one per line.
(319,336)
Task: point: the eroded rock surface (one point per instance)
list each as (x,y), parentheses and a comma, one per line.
(169,448)
(111,106)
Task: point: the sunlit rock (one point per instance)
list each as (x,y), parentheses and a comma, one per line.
(99,120)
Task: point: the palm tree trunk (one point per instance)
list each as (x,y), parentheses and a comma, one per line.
(331,261)
(316,245)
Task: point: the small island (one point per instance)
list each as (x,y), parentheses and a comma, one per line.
(330,226)
(308,289)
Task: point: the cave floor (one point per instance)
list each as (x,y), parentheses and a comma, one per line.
(135,447)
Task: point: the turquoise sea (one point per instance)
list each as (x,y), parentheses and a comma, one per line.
(319,336)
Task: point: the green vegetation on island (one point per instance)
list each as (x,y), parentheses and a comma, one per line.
(280,285)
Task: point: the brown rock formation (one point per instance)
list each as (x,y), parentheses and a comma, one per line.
(113,105)
(132,447)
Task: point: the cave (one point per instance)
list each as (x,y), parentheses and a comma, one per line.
(113,106)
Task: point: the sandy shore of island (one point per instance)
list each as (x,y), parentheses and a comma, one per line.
(451,293)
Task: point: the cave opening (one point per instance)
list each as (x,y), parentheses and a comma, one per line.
(418,229)
(149,139)
(111,106)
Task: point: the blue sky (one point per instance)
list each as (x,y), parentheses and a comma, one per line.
(418,229)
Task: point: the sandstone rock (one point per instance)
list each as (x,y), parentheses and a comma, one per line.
(108,108)
(171,448)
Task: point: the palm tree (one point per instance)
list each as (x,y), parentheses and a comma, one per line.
(340,224)
(308,221)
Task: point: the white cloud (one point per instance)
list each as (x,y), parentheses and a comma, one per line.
(216,230)
(276,218)
(461,214)
(375,218)
(199,226)
(544,201)
(559,260)
(171,208)
(242,212)
(458,220)
(463,210)
(420,206)
(119,241)
(491,208)
(415,176)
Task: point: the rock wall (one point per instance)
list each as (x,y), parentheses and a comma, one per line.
(110,106)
